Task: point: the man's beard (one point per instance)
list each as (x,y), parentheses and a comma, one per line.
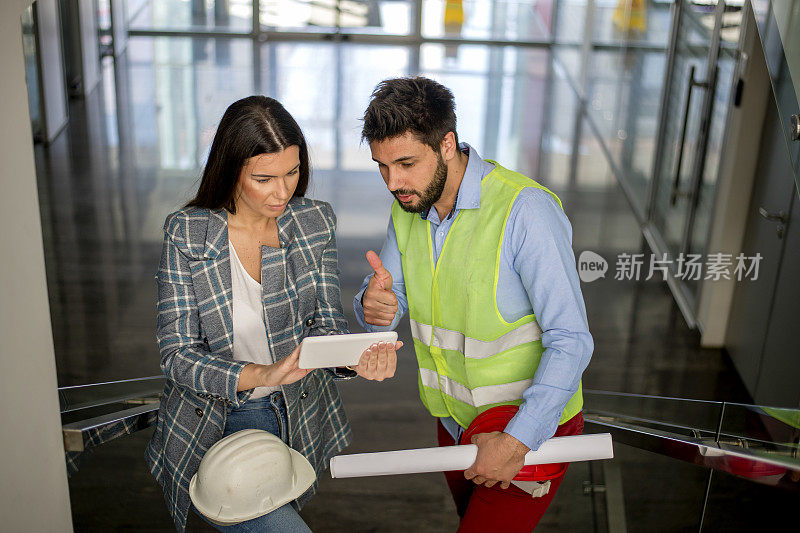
(432,192)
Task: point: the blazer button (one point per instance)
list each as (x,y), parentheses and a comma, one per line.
(198,412)
(310,322)
(303,395)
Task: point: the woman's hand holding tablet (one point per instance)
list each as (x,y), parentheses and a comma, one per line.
(371,355)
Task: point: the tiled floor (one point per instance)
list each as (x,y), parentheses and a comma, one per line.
(132,153)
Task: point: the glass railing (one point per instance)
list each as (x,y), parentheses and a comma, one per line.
(745,440)
(778,24)
(679,415)
(98,395)
(755,442)
(699,460)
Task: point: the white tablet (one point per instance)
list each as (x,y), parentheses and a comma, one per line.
(330,351)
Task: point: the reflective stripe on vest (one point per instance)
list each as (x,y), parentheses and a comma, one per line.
(479,396)
(474,348)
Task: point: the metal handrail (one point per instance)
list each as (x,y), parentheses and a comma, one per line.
(748,459)
(86,422)
(85,434)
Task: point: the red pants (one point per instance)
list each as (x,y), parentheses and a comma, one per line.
(510,510)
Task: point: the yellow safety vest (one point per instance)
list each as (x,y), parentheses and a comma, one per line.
(470,359)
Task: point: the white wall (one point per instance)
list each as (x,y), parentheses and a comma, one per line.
(736,176)
(33,490)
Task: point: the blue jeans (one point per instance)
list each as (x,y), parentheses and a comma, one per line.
(267,413)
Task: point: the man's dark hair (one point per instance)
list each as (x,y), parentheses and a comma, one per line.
(252,126)
(419,105)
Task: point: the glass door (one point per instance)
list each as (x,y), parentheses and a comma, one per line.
(704,190)
(369,17)
(207,16)
(693,119)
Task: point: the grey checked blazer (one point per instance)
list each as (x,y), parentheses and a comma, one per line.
(300,288)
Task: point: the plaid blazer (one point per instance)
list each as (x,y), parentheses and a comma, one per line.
(300,289)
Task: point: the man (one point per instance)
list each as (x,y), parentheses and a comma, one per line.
(481,258)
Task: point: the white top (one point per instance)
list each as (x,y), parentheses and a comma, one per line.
(249,326)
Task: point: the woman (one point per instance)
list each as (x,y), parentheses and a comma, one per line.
(248,270)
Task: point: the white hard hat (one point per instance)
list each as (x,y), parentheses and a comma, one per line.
(246,475)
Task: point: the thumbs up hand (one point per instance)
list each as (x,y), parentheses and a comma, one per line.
(379,302)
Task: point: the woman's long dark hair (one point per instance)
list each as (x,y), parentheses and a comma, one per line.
(251,126)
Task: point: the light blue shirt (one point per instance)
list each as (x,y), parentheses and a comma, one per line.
(537,275)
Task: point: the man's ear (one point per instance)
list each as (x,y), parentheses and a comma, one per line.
(448,148)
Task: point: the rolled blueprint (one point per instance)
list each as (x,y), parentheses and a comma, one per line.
(556,450)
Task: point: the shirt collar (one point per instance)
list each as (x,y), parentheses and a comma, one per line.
(469,192)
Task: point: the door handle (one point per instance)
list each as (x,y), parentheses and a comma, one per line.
(780,216)
(676,180)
